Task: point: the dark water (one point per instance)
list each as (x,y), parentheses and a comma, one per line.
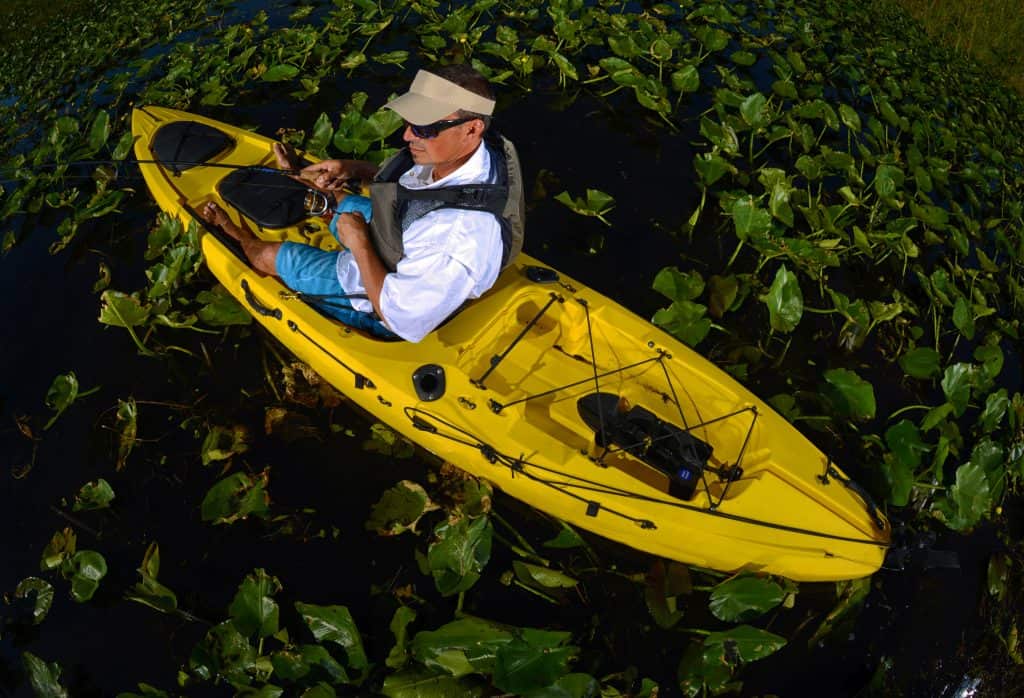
(919,618)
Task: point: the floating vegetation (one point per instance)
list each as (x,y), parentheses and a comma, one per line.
(854,245)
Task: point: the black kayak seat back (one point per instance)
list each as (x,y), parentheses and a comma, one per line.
(269,199)
(639,432)
(182,145)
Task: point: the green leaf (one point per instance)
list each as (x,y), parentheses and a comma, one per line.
(809,167)
(920,362)
(900,478)
(149,591)
(124,146)
(721,136)
(904,440)
(223,653)
(122,310)
(578,685)
(963,317)
(237,497)
(542,576)
(520,667)
(253,610)
(40,592)
(676,285)
(166,231)
(458,553)
(399,655)
(86,568)
(744,58)
(567,538)
(392,57)
(956,384)
(399,509)
(970,498)
(419,683)
(94,495)
(851,395)
(785,301)
(703,671)
(755,112)
(127,429)
(686,79)
(711,167)
(386,440)
(712,38)
(43,677)
(220,309)
(335,624)
(750,219)
(684,320)
(99,132)
(663,584)
(746,643)
(991,358)
(62,393)
(849,117)
(565,66)
(323,134)
(851,595)
(744,598)
(471,644)
(282,71)
(221,443)
(722,293)
(61,546)
(996,406)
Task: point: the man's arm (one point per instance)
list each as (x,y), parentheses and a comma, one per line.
(354,234)
(332,175)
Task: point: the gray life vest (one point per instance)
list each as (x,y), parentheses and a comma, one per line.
(395,207)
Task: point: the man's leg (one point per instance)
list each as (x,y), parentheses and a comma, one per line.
(262,255)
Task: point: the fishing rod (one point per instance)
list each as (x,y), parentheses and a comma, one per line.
(168,164)
(318,202)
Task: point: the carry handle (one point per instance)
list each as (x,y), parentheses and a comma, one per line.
(258,306)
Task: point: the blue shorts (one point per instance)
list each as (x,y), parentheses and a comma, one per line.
(313,272)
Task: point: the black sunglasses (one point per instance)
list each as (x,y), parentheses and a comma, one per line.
(432,130)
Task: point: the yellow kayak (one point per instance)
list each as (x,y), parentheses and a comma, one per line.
(555,394)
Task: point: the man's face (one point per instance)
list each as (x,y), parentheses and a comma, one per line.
(448,149)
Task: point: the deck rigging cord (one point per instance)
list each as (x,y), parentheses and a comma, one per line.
(421,419)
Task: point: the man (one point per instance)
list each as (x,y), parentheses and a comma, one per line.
(445,215)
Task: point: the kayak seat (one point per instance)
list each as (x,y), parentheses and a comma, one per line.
(270,199)
(645,436)
(182,145)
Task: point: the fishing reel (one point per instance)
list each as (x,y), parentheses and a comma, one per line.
(317,203)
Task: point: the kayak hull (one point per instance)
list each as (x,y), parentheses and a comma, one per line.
(511,369)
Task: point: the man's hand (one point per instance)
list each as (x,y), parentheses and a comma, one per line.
(353,231)
(332,175)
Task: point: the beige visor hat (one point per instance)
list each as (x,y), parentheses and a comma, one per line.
(431,98)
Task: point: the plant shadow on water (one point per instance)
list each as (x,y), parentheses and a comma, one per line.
(915,631)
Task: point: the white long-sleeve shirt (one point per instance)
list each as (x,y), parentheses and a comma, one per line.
(450,255)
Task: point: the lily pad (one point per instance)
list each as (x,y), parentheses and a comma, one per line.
(400,509)
(335,624)
(237,497)
(744,598)
(851,395)
(94,495)
(920,362)
(85,569)
(785,301)
(253,610)
(40,592)
(44,677)
(459,552)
